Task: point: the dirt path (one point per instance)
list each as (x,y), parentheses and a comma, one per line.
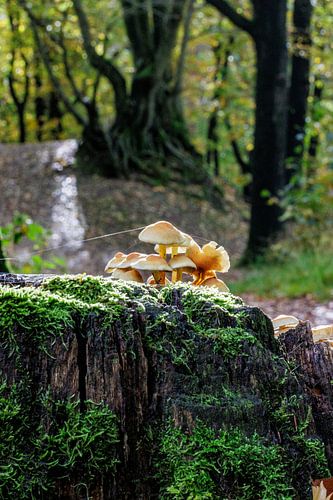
(41,180)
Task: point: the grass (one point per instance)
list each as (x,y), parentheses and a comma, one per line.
(304,273)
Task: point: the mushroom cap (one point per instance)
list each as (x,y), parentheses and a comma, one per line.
(130,259)
(114,262)
(131,275)
(322,332)
(284,321)
(182,262)
(217,283)
(152,262)
(209,257)
(164,233)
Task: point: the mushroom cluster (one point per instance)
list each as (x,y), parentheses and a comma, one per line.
(321,333)
(176,253)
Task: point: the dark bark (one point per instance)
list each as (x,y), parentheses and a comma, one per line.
(153,365)
(55,114)
(317,95)
(299,86)
(270,124)
(40,104)
(314,366)
(268,29)
(3,264)
(19,101)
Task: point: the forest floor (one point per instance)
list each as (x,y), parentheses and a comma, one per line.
(41,181)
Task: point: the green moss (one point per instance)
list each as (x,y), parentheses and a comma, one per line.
(100,291)
(227,464)
(41,316)
(229,342)
(35,453)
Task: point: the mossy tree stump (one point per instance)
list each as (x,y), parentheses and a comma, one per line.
(118,390)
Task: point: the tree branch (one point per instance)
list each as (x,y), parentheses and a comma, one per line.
(237,19)
(185,40)
(138,30)
(55,81)
(103,65)
(244,165)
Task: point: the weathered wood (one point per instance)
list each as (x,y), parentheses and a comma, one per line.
(159,359)
(314,367)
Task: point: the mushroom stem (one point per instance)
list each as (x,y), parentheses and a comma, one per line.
(198,279)
(179,274)
(174,251)
(174,276)
(159,277)
(162,250)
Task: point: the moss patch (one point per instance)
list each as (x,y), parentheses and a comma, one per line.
(37,452)
(207,464)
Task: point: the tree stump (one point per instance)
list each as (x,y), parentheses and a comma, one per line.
(113,390)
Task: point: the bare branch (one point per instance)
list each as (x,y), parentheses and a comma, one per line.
(240,21)
(55,81)
(99,62)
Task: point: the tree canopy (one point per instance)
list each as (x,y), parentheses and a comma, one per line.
(240,92)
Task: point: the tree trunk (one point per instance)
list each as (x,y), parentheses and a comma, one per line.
(166,362)
(299,86)
(40,104)
(314,140)
(22,128)
(270,124)
(3,264)
(55,114)
(151,133)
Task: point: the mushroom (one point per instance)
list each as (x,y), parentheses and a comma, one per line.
(165,235)
(217,283)
(154,263)
(130,259)
(209,258)
(181,264)
(114,262)
(151,281)
(322,489)
(283,323)
(322,333)
(131,275)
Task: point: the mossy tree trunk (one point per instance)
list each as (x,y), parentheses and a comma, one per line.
(170,370)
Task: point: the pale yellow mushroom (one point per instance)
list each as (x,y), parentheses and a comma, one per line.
(209,258)
(130,259)
(283,323)
(156,264)
(181,264)
(151,281)
(217,283)
(114,262)
(322,333)
(130,275)
(165,235)
(319,491)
